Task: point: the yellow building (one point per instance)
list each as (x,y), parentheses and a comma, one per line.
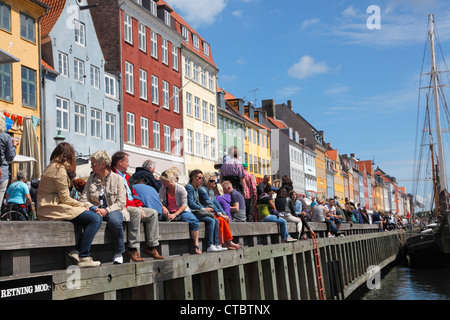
(20,70)
(339,188)
(321,172)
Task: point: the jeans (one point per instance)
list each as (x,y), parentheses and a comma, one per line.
(281,222)
(91,222)
(212,229)
(190,218)
(115,227)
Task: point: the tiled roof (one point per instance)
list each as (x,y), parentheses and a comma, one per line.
(277,123)
(47,66)
(49,20)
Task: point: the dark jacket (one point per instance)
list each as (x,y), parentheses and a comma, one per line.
(147,176)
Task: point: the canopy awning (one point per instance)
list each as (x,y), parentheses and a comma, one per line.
(6,57)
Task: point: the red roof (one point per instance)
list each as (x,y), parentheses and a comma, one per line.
(49,20)
(277,123)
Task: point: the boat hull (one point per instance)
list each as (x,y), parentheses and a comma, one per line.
(425,250)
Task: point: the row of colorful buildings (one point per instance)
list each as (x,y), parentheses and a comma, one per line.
(133,75)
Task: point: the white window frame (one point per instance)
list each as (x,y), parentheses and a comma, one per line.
(197,107)
(143,84)
(198,144)
(167,18)
(176,99)
(144,132)
(205,146)
(142,37)
(167,145)
(80,33)
(213,148)
(174,57)
(63,64)
(131,133)
(155,89)
(96,123)
(166,96)
(189,104)
(187,67)
(177,139)
(185,33)
(205,48)
(128,28)
(78,70)
(129,77)
(205,111)
(190,141)
(154,43)
(196,41)
(62,113)
(110,125)
(80,119)
(95,77)
(156,136)
(110,86)
(165,51)
(212,115)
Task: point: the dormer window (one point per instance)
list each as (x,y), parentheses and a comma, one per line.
(167,18)
(206,49)
(195,41)
(153,8)
(185,33)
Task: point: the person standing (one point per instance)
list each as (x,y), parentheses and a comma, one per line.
(233,170)
(250,194)
(138,214)
(7,153)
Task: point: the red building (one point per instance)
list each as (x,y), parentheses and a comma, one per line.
(141,44)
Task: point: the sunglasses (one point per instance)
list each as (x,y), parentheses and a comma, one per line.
(199,178)
(212,181)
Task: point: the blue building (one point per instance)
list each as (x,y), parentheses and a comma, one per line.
(81,101)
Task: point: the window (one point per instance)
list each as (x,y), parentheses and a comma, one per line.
(177,138)
(5,16)
(213,148)
(143,84)
(156,136)
(197,107)
(198,144)
(110,86)
(210,81)
(154,43)
(95,77)
(176,99)
(219,123)
(130,128)
(166,95)
(96,123)
(166,138)
(78,70)
(110,127)
(206,49)
(174,57)
(195,69)
(142,38)
(205,111)
(203,76)
(165,51)
(80,33)
(128,28)
(63,64)
(6,81)
(189,141)
(185,33)
(62,114)
(28,87)
(187,67)
(212,115)
(129,85)
(205,146)
(195,41)
(27,27)
(155,90)
(153,7)
(167,17)
(189,104)
(80,119)
(144,132)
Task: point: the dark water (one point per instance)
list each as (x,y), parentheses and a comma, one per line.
(402,283)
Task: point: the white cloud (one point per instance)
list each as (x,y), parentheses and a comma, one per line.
(307,67)
(349,12)
(309,22)
(237,13)
(289,91)
(199,12)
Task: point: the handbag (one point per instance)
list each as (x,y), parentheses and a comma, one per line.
(201,212)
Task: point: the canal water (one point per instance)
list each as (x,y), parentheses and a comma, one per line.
(403,283)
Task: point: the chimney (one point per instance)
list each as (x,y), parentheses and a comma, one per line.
(289,104)
(221,100)
(269,107)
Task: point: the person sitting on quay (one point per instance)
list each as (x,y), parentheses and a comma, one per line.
(203,214)
(148,196)
(173,197)
(301,214)
(330,211)
(147,173)
(319,216)
(237,204)
(208,199)
(18,196)
(286,209)
(54,202)
(267,212)
(104,193)
(223,199)
(138,213)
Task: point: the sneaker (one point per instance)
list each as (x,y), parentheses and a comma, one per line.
(289,239)
(213,248)
(221,248)
(118,259)
(88,262)
(74,255)
(330,235)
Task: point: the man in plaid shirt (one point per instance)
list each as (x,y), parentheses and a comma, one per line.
(250,194)
(233,171)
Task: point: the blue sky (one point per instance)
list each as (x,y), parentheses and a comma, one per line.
(359,85)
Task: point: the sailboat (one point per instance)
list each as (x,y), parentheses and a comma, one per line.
(431,247)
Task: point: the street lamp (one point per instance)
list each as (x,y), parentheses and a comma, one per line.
(59,137)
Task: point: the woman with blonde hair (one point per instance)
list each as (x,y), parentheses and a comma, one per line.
(54,202)
(105,194)
(175,204)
